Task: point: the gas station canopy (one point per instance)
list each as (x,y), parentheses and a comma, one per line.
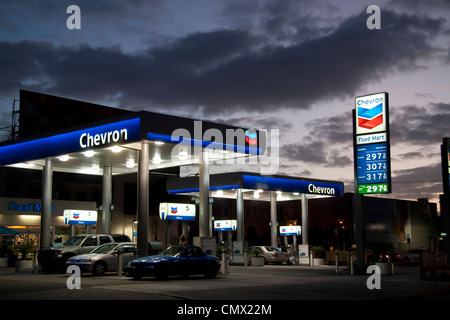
(257,187)
(116,142)
(252,186)
(135,142)
(138,142)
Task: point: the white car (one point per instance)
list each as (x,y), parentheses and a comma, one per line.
(104,258)
(272,254)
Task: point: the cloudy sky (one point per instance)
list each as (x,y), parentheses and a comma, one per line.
(291,65)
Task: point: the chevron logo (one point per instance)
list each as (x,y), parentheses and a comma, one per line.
(251,137)
(76,215)
(173,210)
(370,118)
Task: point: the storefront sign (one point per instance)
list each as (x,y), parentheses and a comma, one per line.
(290,230)
(87,140)
(100,136)
(225,225)
(80,216)
(29,207)
(176,211)
(292,185)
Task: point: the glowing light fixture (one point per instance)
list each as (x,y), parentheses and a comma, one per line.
(116,149)
(64,158)
(156,160)
(130,163)
(89,153)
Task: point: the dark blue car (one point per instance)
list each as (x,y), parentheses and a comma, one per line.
(182,260)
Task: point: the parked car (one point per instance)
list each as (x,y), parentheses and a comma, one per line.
(180,260)
(54,258)
(104,258)
(272,254)
(412,255)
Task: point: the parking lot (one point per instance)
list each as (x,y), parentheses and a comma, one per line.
(242,283)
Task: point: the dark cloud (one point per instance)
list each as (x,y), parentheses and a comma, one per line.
(415,155)
(337,161)
(420,125)
(223,71)
(312,151)
(334,129)
(424,181)
(319,153)
(328,142)
(421,4)
(283,22)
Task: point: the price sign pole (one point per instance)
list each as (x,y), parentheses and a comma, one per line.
(371,146)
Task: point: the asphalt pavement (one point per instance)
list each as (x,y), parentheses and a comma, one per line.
(242,283)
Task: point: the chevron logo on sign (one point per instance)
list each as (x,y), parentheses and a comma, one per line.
(76,215)
(370,118)
(173,210)
(251,137)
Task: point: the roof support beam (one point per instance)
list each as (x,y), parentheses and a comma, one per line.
(239,215)
(143,199)
(46,216)
(305,226)
(273,219)
(107,199)
(204,222)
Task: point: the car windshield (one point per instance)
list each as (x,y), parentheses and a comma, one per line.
(172,251)
(107,247)
(74,241)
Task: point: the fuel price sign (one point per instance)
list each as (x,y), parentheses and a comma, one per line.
(372,168)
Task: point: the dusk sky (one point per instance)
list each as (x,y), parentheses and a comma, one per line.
(291,65)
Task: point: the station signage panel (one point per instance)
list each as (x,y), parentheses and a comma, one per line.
(225,225)
(371,113)
(371,144)
(80,216)
(290,230)
(176,211)
(31,207)
(293,185)
(101,136)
